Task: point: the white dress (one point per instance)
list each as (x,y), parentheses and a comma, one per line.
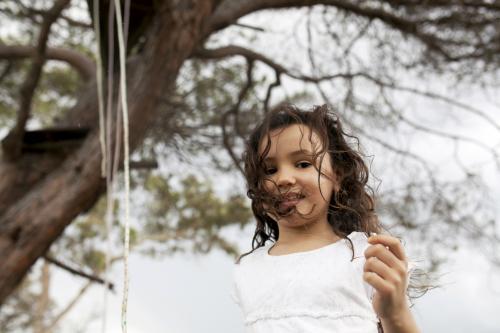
(318,291)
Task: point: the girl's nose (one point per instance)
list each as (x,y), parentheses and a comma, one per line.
(285,178)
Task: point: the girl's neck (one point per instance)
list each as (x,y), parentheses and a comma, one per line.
(302,244)
(313,234)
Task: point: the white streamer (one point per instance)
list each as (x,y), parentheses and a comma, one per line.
(99,87)
(106,170)
(123,90)
(104,153)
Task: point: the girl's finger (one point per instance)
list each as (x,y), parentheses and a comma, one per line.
(393,243)
(377,282)
(386,256)
(376,266)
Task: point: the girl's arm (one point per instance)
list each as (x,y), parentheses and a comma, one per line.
(403,324)
(386,271)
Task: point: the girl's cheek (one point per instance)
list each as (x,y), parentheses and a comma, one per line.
(268,184)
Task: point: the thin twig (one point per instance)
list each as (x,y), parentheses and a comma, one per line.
(78,272)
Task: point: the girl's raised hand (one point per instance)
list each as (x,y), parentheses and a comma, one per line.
(386,271)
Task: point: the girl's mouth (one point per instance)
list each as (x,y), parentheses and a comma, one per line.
(287,204)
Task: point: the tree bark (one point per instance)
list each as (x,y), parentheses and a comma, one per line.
(85,66)
(41,194)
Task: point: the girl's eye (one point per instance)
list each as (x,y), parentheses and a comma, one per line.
(302,165)
(269,171)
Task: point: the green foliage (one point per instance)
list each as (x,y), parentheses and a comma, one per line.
(181,214)
(59,83)
(54,95)
(14,312)
(166,199)
(83,244)
(17,313)
(9,91)
(201,207)
(95,259)
(193,213)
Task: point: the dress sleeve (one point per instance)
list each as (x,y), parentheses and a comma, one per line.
(360,244)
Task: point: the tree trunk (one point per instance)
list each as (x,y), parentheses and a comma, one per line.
(41,194)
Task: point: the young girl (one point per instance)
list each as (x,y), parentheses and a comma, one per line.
(328,269)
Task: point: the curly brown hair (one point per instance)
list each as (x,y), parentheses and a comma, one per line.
(351,207)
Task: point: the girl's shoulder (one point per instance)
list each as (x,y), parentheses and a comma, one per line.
(359,240)
(252,256)
(358,237)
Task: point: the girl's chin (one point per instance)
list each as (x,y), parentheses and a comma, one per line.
(295,212)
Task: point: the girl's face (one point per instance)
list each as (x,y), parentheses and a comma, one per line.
(289,169)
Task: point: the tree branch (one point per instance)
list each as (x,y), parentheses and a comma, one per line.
(83,64)
(31,12)
(385,144)
(230,11)
(251,27)
(6,71)
(439,133)
(445,99)
(143,164)
(250,55)
(13,141)
(233,50)
(447,3)
(74,271)
(270,88)
(234,111)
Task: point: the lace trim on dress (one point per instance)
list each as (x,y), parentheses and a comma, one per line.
(253,318)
